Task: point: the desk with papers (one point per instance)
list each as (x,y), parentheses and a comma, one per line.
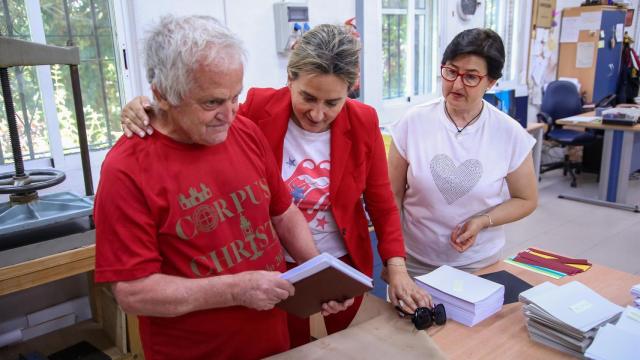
(377,332)
(504,335)
(617,154)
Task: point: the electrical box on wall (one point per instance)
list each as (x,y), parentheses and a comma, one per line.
(291,21)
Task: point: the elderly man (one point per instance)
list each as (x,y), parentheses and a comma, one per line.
(191,225)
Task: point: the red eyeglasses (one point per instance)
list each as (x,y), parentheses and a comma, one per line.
(468,79)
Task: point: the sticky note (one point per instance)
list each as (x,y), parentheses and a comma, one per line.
(580,306)
(634,315)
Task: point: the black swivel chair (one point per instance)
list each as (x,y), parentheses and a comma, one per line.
(560,100)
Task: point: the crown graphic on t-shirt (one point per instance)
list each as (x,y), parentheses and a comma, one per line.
(195,197)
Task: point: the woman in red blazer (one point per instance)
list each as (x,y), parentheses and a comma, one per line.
(331,155)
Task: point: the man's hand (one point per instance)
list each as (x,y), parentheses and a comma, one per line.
(261,290)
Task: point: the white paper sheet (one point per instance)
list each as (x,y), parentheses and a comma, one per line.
(619,32)
(584,54)
(460,284)
(537,290)
(537,71)
(570,29)
(590,20)
(612,342)
(576,305)
(321,262)
(582,119)
(630,320)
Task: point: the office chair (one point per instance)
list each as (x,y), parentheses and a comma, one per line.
(560,100)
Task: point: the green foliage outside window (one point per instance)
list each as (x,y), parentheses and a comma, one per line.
(87,24)
(394,42)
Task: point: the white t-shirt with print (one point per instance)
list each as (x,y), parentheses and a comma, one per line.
(451,178)
(305,170)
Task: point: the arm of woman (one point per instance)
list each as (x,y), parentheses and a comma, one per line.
(134,118)
(398,167)
(385,216)
(524,199)
(395,271)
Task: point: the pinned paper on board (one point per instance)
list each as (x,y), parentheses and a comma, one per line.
(590,20)
(537,71)
(619,32)
(570,29)
(584,54)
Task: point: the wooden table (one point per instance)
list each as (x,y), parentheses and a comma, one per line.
(504,335)
(615,167)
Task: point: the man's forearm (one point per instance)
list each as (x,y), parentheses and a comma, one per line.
(168,296)
(293,230)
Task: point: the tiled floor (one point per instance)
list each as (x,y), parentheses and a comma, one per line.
(603,235)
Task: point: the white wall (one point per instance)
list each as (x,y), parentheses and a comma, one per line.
(451,24)
(251,20)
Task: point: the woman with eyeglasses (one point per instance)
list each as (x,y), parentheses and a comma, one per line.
(459,167)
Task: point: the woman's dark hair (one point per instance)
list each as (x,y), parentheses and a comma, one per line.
(485,43)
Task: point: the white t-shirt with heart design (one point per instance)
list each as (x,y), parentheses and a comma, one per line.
(305,169)
(453,176)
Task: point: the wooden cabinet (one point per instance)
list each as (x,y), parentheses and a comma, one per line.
(110,330)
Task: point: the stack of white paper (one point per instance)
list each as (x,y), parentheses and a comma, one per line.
(321,262)
(635,292)
(467,298)
(619,341)
(566,317)
(630,321)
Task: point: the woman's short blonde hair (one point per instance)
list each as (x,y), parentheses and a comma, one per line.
(326,49)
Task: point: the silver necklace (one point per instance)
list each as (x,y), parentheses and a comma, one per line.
(468,123)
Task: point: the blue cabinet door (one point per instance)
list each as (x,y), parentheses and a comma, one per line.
(608,60)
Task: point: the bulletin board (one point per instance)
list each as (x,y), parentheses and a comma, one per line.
(586,40)
(584,33)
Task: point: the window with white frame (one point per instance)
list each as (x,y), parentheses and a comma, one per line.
(501,16)
(88,25)
(408,48)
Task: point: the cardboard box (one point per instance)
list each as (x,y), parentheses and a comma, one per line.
(377,332)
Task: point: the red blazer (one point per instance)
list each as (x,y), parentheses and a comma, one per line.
(358,167)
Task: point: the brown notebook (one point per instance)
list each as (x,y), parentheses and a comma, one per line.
(320,280)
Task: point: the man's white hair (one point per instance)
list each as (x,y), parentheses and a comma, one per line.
(176,46)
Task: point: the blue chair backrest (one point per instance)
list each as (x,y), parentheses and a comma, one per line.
(561,100)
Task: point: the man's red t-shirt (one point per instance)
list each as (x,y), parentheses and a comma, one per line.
(194,211)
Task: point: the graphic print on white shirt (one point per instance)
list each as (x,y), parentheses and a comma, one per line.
(306,166)
(453,181)
(309,184)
